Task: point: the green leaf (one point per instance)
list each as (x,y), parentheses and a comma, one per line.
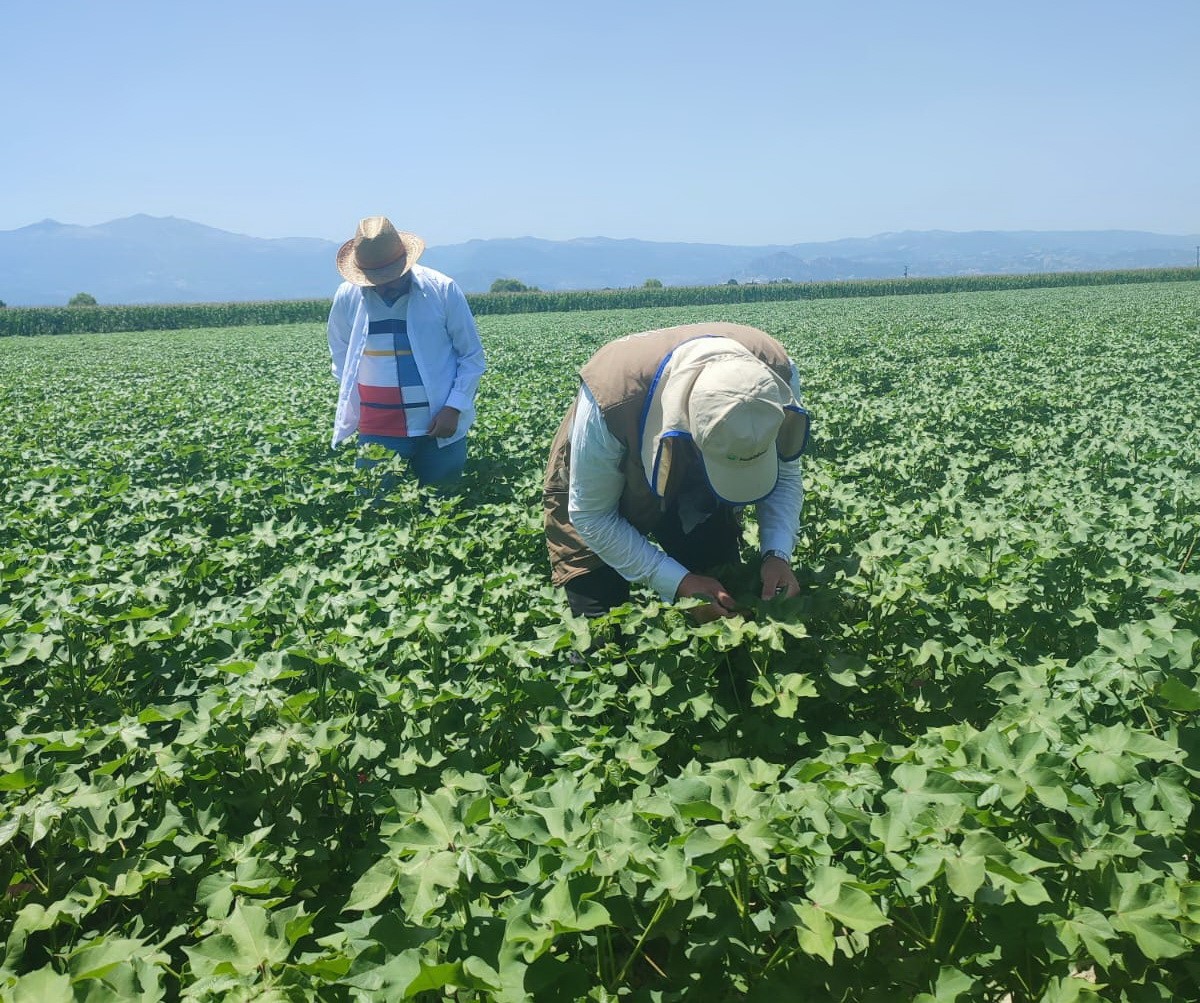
(17,780)
(568,910)
(373,886)
(1155,935)
(98,957)
(1089,927)
(1178,696)
(43,986)
(249,929)
(965,874)
(814,928)
(389,980)
(1108,767)
(792,688)
(1069,989)
(445,976)
(1140,909)
(423,882)
(951,984)
(849,905)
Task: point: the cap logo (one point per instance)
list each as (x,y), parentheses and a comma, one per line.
(744,459)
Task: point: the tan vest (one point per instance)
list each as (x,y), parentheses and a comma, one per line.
(619,376)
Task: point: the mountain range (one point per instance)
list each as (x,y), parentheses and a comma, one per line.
(149,259)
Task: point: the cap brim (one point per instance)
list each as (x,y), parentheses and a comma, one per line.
(742,482)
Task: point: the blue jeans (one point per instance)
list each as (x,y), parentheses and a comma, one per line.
(441,466)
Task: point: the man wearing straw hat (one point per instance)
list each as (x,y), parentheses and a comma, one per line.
(406,354)
(671,432)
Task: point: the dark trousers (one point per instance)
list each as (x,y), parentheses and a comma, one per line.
(716,541)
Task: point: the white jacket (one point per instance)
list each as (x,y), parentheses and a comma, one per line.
(445,346)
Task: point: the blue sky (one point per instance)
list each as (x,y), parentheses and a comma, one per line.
(746,123)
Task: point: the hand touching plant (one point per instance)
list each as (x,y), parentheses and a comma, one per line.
(720,602)
(778,579)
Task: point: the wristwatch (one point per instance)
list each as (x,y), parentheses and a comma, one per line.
(777,553)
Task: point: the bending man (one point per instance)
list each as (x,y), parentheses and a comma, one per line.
(672,431)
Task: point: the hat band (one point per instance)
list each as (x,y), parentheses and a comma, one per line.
(391,261)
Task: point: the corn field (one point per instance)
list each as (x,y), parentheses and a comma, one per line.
(180,316)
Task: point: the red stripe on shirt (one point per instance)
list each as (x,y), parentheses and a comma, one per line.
(379,395)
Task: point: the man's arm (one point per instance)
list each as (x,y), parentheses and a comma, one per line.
(339,332)
(592,505)
(779,521)
(779,512)
(468,349)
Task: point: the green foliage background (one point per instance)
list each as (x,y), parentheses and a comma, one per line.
(270,735)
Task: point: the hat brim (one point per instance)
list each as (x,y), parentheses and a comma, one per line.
(351,272)
(793,433)
(742,482)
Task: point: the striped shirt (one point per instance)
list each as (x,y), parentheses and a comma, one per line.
(394,401)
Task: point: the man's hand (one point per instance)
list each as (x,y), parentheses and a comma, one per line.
(778,579)
(720,602)
(445,423)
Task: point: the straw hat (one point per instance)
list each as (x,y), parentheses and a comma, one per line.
(378,253)
(741,416)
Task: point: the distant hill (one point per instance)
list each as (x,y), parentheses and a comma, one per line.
(147,259)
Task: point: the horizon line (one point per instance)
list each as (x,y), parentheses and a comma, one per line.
(641,240)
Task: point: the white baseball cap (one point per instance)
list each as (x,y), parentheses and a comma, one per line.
(741,416)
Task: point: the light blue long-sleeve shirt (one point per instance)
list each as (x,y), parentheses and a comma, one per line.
(445,345)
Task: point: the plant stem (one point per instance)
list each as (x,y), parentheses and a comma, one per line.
(914,927)
(637,948)
(1188,556)
(776,959)
(967,920)
(938,923)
